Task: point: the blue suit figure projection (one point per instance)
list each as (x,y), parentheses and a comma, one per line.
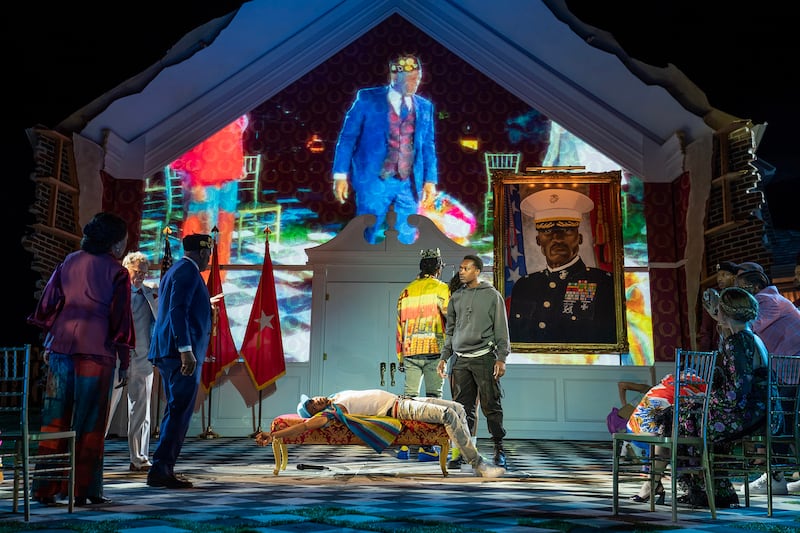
(386,150)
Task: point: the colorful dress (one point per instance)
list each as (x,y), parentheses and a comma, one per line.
(738,402)
(210,174)
(737,406)
(653,409)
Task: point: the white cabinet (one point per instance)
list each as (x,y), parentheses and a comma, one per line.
(359,345)
(354,304)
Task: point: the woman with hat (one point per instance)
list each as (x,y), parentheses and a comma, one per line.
(708,336)
(738,399)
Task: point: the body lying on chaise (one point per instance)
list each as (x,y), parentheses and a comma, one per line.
(414,433)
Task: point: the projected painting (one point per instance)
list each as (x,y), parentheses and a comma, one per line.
(273,169)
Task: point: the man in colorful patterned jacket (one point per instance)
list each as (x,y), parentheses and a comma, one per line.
(421,312)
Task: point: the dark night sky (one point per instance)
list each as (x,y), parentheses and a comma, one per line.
(739,58)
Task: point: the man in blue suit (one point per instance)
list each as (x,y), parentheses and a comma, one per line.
(386,150)
(178,348)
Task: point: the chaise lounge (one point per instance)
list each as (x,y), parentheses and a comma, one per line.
(414,433)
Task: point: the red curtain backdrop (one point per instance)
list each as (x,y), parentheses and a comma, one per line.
(126,199)
(665,212)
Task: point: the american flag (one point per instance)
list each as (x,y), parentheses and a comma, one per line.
(166,259)
(515,267)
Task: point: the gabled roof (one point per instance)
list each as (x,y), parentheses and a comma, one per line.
(641,116)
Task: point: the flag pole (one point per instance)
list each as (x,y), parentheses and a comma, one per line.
(208,433)
(260,407)
(257,426)
(267,233)
(166,263)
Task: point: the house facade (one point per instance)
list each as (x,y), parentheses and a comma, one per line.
(696,164)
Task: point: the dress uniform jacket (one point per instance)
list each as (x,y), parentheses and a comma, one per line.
(573,305)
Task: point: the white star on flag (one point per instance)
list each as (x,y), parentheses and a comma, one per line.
(262,347)
(513,274)
(514,253)
(264,321)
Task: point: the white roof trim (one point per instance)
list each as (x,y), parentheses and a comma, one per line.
(266,46)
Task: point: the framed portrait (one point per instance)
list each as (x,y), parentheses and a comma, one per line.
(559,261)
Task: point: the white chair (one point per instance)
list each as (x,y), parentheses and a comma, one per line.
(693,377)
(163,208)
(250,206)
(496,161)
(15,392)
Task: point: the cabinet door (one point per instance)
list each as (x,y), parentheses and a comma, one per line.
(360,322)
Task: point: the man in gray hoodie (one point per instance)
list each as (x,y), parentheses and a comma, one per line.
(477,333)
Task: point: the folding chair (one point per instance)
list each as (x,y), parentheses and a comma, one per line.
(776,450)
(15,392)
(693,376)
(496,161)
(251,208)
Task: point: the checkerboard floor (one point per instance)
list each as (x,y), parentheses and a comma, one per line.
(547,483)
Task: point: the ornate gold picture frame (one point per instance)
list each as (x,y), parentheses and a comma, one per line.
(559,260)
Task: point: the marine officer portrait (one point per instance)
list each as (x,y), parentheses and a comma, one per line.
(567,301)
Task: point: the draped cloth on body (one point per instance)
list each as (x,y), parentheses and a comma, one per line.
(378,432)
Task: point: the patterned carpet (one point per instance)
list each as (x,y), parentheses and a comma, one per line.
(550,486)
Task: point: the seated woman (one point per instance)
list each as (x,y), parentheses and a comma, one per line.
(738,401)
(653,412)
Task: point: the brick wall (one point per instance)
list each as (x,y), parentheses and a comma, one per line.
(734,222)
(56,229)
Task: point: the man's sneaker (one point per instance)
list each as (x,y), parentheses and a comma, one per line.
(793,486)
(403,453)
(484,469)
(455,464)
(759,486)
(499,456)
(456,460)
(427,454)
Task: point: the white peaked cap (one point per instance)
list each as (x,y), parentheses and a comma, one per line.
(556,208)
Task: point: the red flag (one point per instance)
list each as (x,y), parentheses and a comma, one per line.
(262,347)
(221,349)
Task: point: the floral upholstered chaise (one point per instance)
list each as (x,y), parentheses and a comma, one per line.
(413,433)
